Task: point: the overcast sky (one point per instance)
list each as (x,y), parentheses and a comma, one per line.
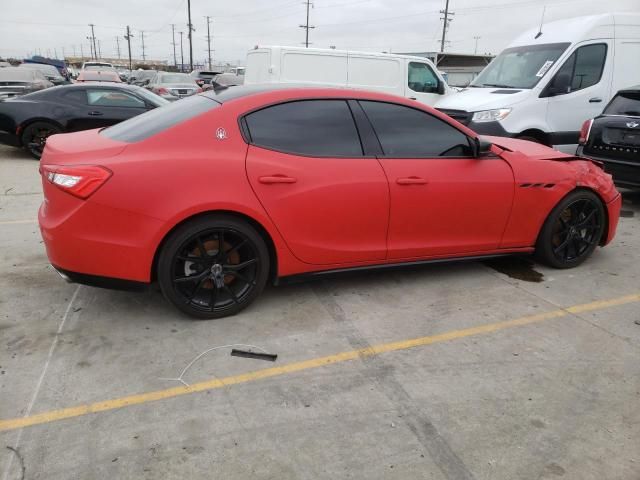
(238,25)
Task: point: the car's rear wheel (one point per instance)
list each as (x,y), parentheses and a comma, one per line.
(35,136)
(213,266)
(572,231)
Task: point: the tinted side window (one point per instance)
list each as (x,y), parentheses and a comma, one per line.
(76,96)
(113,98)
(410,133)
(320,128)
(422,78)
(585,66)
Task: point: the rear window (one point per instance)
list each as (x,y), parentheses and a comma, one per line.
(624,103)
(16,74)
(159,119)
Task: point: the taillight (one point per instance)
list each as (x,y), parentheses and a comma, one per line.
(585,131)
(199,90)
(161,91)
(80,181)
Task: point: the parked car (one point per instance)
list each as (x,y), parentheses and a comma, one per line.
(4,64)
(173,86)
(20,81)
(413,77)
(550,80)
(217,194)
(225,80)
(203,77)
(613,138)
(141,77)
(98,76)
(29,120)
(50,72)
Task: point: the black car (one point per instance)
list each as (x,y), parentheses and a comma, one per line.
(614,138)
(28,120)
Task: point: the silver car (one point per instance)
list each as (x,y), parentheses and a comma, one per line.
(173,86)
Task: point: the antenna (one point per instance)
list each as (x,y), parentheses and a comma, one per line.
(539,34)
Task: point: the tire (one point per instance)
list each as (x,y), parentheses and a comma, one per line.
(35,135)
(572,230)
(207,282)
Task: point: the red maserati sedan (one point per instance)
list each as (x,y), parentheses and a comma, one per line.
(220,193)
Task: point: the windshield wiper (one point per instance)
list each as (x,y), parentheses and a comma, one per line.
(498,85)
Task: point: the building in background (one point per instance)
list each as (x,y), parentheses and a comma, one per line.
(459,68)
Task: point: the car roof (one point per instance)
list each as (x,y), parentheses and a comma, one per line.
(302,90)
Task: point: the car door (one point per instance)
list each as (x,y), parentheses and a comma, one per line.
(107,106)
(422,83)
(306,166)
(444,201)
(589,68)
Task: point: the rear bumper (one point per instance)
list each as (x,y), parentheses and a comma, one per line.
(624,173)
(87,241)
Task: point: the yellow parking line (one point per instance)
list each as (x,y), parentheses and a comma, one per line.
(116,403)
(17,222)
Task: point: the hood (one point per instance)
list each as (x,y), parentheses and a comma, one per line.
(477,99)
(533,151)
(87,146)
(179,85)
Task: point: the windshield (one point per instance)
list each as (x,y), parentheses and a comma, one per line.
(49,70)
(625,103)
(520,67)
(176,78)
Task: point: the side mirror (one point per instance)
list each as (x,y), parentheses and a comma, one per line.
(441,88)
(146,82)
(482,147)
(560,84)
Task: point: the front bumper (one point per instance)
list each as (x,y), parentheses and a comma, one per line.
(613,214)
(493,129)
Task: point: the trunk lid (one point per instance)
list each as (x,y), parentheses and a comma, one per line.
(86,147)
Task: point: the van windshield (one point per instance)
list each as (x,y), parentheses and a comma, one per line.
(520,67)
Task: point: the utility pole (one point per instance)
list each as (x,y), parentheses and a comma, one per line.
(191,29)
(118,46)
(173,36)
(82,52)
(475,50)
(144,57)
(445,25)
(74,50)
(128,39)
(306,26)
(90,48)
(209,39)
(55,53)
(181,53)
(93,39)
(99,50)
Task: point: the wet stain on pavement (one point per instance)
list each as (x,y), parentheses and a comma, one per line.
(516,267)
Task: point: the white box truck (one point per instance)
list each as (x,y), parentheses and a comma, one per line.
(549,80)
(412,77)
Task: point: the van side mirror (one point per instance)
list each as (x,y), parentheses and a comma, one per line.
(482,147)
(441,88)
(560,84)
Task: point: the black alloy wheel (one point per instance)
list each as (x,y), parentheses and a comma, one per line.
(573,230)
(213,267)
(35,137)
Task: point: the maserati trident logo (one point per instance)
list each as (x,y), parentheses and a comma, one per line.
(221,133)
(632,124)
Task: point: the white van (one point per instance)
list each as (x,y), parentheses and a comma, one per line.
(545,85)
(412,77)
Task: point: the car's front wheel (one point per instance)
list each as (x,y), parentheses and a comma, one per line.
(213,266)
(572,230)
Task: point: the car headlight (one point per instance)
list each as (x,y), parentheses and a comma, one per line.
(491,115)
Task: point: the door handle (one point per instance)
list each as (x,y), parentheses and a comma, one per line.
(95,113)
(412,98)
(595,100)
(411,181)
(270,179)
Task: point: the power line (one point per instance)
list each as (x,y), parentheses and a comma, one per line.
(306,26)
(209,39)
